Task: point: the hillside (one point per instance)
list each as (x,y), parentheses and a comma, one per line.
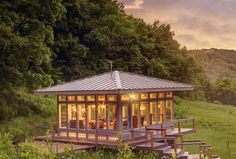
(217,63)
(215,125)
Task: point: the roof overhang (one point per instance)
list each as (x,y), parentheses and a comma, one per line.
(123,91)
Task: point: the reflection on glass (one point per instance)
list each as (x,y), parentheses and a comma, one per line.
(112,113)
(101,116)
(91,98)
(71,98)
(72,115)
(101,98)
(135,115)
(143,114)
(161,95)
(153,95)
(91,113)
(125,97)
(144,96)
(168,110)
(125,116)
(161,105)
(62,115)
(62,98)
(111,98)
(80,98)
(153,112)
(169,94)
(81,116)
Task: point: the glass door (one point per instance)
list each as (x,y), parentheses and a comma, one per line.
(161,106)
(144,113)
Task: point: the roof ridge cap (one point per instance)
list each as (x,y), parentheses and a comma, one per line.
(117,79)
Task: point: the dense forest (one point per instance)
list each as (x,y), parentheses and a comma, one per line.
(45,42)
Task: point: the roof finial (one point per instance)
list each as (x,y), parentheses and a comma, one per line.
(110,66)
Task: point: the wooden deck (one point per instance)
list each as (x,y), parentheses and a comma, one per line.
(162,138)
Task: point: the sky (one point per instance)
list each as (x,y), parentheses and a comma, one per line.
(197,24)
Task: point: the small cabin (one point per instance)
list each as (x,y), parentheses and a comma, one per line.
(100,106)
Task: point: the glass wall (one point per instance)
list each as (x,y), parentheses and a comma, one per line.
(81,116)
(72,115)
(169,110)
(136,110)
(153,113)
(135,115)
(125,116)
(144,113)
(62,116)
(161,107)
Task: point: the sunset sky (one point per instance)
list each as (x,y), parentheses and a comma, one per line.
(197,23)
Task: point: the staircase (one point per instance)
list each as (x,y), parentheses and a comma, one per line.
(167,146)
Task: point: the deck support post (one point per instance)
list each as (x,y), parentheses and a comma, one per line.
(193,123)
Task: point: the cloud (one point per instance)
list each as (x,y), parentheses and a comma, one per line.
(136,4)
(196,23)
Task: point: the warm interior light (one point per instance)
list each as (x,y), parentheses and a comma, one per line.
(132,96)
(102,106)
(83,110)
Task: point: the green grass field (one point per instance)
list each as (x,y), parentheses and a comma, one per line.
(216,125)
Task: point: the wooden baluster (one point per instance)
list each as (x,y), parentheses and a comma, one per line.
(181,141)
(146,135)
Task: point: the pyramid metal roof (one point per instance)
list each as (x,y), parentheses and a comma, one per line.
(115,82)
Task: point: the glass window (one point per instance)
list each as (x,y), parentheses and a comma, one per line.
(153,112)
(134,96)
(125,97)
(161,105)
(91,113)
(168,110)
(72,115)
(153,95)
(143,113)
(101,116)
(125,117)
(91,98)
(112,113)
(62,98)
(144,96)
(161,95)
(80,98)
(62,116)
(111,98)
(169,94)
(101,98)
(81,116)
(71,98)
(135,115)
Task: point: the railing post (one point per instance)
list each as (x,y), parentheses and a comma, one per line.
(132,135)
(181,141)
(162,130)
(96,137)
(151,139)
(193,124)
(179,128)
(174,145)
(146,135)
(200,150)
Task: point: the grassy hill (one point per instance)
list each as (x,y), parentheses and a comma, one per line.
(217,63)
(215,125)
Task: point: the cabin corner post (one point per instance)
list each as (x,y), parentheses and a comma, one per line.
(173,108)
(58,116)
